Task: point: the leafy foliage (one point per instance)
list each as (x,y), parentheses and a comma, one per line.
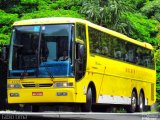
(137,4)
(107,13)
(4,39)
(7,19)
(152,9)
(5,25)
(55,13)
(143,28)
(5,4)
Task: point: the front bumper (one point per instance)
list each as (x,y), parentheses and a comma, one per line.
(48,95)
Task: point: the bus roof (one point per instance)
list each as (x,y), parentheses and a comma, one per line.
(59,20)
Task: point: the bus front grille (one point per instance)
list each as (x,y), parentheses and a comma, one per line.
(37,85)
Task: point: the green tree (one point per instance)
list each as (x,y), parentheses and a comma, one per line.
(5,25)
(152,9)
(6,4)
(53,13)
(136,4)
(109,14)
(143,29)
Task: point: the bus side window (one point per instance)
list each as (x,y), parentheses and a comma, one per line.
(130,50)
(80,32)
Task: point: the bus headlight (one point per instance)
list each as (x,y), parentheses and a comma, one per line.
(63,84)
(14,86)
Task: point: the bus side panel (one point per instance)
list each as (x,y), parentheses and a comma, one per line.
(116,87)
(121,78)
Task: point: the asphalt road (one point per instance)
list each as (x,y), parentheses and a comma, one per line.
(77,116)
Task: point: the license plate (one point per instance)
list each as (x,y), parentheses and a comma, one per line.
(37,93)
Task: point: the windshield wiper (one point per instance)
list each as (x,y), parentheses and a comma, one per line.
(50,73)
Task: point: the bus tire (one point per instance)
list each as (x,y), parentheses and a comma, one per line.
(133,106)
(141,105)
(87,107)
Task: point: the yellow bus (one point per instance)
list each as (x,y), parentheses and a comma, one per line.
(73,61)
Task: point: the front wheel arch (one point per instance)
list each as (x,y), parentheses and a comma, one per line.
(90,98)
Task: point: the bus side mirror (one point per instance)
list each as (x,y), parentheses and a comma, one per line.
(81,50)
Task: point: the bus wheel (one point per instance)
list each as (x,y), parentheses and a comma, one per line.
(132,107)
(87,107)
(141,102)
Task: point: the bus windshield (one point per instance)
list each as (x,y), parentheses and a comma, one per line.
(42,51)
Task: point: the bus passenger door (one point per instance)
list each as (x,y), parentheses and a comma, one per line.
(80,62)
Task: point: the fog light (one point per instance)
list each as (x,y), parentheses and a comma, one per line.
(61,93)
(14,94)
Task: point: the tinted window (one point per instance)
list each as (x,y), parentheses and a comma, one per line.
(94,37)
(144,57)
(80,31)
(109,46)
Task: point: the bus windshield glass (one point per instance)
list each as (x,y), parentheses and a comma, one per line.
(43,51)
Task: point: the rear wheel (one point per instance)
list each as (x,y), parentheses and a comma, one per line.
(87,107)
(132,107)
(141,102)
